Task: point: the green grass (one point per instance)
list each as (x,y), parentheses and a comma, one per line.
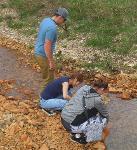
(135,67)
(106,19)
(112,23)
(26,8)
(15,24)
(21,25)
(4,5)
(1,18)
(28,12)
(105,64)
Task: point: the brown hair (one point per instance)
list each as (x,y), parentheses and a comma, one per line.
(100,84)
(78,76)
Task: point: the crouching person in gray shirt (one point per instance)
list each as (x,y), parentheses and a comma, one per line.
(85,115)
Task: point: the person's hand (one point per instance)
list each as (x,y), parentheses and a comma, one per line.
(52,65)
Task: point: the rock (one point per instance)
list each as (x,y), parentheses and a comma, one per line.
(44,147)
(28,142)
(11,98)
(32,121)
(115,90)
(8,117)
(2,124)
(24,137)
(125,95)
(22,104)
(21,124)
(11,107)
(99,146)
(25,111)
(12,129)
(2,99)
(98,76)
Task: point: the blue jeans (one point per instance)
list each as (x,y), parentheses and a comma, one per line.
(54,104)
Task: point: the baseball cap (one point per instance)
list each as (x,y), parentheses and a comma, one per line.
(62,12)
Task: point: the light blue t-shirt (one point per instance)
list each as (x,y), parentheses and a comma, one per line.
(47,30)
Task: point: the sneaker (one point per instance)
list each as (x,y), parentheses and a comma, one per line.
(78,138)
(49,112)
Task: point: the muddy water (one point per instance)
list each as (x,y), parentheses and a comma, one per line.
(123,118)
(25,77)
(123,114)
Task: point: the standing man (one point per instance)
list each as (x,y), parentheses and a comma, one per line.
(46,41)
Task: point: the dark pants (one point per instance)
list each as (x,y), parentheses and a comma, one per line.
(66,125)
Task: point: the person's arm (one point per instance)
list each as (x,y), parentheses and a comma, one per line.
(48,51)
(65,86)
(101,107)
(49,39)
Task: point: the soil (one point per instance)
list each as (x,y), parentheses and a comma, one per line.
(24,77)
(47,132)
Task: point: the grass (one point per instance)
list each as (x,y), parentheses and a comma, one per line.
(105,64)
(135,67)
(4,5)
(112,23)
(1,18)
(27,23)
(15,24)
(26,9)
(107,20)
